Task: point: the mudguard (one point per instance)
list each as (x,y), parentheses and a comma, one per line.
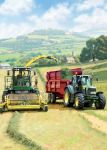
(100,92)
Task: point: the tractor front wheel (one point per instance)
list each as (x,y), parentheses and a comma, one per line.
(79,101)
(100,104)
(67,97)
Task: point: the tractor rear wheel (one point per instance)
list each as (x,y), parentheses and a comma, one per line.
(51,98)
(79,101)
(100,104)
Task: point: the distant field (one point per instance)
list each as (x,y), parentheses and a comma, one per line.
(49,43)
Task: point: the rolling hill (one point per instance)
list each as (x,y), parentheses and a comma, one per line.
(41,42)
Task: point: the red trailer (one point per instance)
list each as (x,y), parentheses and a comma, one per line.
(56,84)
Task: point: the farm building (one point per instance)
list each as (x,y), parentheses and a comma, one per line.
(70,60)
(5,66)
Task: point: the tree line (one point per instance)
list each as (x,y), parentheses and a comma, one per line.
(96,48)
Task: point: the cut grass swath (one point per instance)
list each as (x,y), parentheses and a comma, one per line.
(13,132)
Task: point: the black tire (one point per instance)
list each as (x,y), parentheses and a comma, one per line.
(100,104)
(51,98)
(67,97)
(79,101)
(45,108)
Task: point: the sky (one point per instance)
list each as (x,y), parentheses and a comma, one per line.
(19,17)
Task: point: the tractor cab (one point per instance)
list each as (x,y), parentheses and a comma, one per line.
(83,83)
(84,80)
(19,79)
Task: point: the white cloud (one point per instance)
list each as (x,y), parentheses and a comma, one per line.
(59,17)
(13,7)
(97,20)
(13,30)
(55,17)
(87,4)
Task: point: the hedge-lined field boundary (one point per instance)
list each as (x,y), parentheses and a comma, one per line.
(13,132)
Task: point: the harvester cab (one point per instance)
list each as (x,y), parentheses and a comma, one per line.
(81,92)
(21,91)
(19,79)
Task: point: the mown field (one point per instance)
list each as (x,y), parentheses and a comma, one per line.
(63,128)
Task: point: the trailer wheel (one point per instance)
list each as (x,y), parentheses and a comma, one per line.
(45,108)
(67,96)
(79,101)
(100,104)
(51,98)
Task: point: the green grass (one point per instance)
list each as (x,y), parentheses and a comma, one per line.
(45,44)
(3,57)
(104,65)
(101,75)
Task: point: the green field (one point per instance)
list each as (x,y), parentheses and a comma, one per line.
(41,42)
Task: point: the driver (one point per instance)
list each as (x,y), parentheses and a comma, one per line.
(19,75)
(19,79)
(79,83)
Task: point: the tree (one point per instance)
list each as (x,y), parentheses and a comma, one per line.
(95,49)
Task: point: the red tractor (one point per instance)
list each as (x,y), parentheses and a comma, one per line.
(74,88)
